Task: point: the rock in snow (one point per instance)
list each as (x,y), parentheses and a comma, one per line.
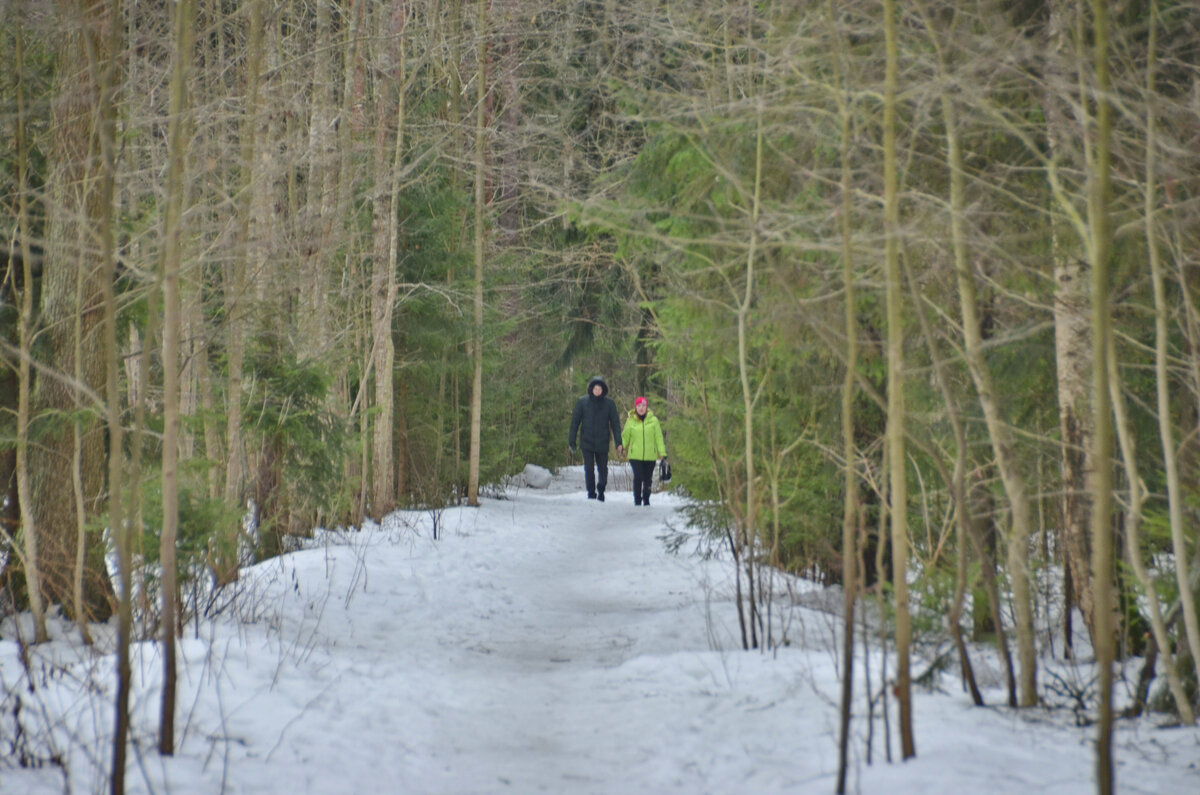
(537,477)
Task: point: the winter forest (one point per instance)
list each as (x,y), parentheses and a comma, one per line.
(914,286)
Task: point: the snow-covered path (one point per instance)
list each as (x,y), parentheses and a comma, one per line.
(544,643)
(514,670)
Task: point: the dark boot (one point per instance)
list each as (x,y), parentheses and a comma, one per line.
(600,496)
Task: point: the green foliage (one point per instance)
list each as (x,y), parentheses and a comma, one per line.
(200,521)
(287,412)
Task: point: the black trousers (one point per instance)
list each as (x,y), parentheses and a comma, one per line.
(595,463)
(643,477)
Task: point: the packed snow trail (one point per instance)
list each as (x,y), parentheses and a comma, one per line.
(543,643)
(536,643)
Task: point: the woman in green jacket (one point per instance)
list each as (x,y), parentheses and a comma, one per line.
(642,438)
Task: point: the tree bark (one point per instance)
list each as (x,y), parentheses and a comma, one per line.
(748,530)
(1163,400)
(102,39)
(998,432)
(895,393)
(1074,364)
(320,200)
(1166,434)
(850,506)
(81,185)
(386,250)
(1072,341)
(169,276)
(224,558)
(1101,485)
(481,77)
(29,558)
(958,487)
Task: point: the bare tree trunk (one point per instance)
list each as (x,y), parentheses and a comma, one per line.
(1179,544)
(1102,534)
(748,531)
(1073,357)
(507,86)
(1162,383)
(1133,521)
(957,483)
(172,264)
(885,519)
(958,487)
(1075,427)
(346,135)
(103,55)
(81,197)
(383,275)
(237,302)
(318,213)
(77,485)
(481,78)
(981,526)
(895,409)
(998,432)
(29,558)
(850,507)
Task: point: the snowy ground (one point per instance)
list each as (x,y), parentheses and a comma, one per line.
(544,643)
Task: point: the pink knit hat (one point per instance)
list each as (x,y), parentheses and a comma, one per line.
(639,402)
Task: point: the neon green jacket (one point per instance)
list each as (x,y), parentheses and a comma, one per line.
(643,439)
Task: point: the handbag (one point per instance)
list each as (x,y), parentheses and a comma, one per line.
(664,471)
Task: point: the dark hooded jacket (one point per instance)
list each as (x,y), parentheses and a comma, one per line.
(594,419)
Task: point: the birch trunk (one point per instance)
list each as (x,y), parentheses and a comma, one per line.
(1072,341)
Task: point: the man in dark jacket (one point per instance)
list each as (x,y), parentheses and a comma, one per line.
(594,418)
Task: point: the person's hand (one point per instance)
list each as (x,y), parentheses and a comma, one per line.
(572,449)
(620,449)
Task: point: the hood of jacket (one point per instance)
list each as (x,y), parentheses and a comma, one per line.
(603,387)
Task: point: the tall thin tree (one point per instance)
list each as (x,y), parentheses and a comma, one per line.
(896,419)
(958,487)
(481,78)
(236,300)
(169,275)
(1102,534)
(386,249)
(1187,598)
(850,509)
(30,557)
